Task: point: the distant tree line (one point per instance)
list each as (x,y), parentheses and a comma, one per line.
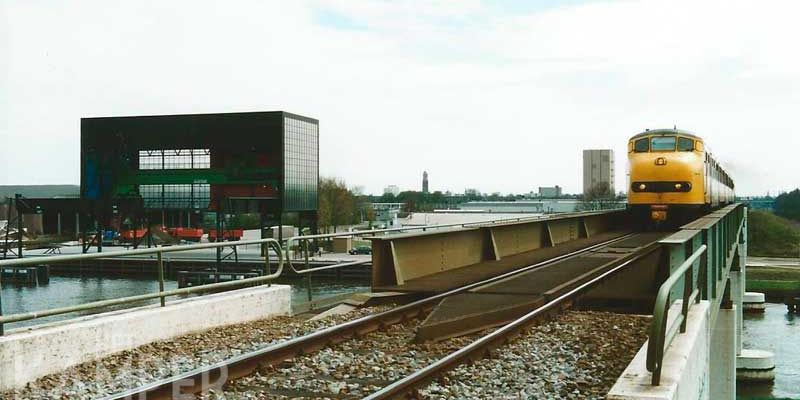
(340,206)
(787,205)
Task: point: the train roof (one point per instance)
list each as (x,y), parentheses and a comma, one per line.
(666,132)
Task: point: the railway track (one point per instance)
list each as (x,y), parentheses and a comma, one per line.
(392,342)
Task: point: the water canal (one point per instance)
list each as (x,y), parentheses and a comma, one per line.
(779,332)
(65,291)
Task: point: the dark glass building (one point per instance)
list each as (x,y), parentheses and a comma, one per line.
(180,165)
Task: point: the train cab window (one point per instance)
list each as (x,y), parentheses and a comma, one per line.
(685,144)
(641,145)
(662,143)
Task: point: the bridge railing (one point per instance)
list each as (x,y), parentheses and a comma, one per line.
(282,254)
(700,258)
(160,294)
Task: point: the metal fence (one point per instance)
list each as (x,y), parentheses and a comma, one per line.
(700,258)
(161,294)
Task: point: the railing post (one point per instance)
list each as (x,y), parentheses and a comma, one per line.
(161,278)
(1,300)
(267,266)
(688,285)
(660,343)
(308,275)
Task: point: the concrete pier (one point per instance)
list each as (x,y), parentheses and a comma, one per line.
(27,354)
(754,302)
(755,366)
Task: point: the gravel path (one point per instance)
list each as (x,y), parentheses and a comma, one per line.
(577,356)
(133,368)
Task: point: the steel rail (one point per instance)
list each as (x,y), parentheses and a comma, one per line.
(214,376)
(484,346)
(133,299)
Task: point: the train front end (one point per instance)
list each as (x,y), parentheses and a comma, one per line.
(666,175)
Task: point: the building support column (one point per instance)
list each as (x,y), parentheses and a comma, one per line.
(722,366)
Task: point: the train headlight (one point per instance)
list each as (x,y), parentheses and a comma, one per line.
(642,186)
(678,186)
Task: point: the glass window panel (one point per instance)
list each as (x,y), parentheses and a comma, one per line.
(662,143)
(685,144)
(641,145)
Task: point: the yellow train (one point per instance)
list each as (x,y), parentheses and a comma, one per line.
(673,177)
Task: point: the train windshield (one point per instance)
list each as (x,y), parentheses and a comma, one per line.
(641,145)
(685,144)
(662,143)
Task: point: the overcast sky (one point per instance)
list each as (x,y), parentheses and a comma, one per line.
(498,96)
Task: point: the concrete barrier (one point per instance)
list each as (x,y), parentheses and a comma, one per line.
(27,354)
(685,373)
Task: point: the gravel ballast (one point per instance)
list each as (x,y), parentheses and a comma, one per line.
(158,360)
(578,355)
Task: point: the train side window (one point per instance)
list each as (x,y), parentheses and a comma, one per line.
(685,144)
(641,146)
(662,143)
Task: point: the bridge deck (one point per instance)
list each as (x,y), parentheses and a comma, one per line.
(510,298)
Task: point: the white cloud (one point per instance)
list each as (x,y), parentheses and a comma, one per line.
(478,96)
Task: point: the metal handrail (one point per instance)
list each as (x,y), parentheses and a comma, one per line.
(659,338)
(274,244)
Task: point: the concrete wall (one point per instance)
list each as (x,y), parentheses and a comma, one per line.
(27,354)
(685,373)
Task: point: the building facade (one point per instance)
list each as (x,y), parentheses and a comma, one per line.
(598,169)
(180,165)
(550,191)
(425,182)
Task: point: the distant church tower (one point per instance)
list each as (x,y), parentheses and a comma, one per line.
(424,181)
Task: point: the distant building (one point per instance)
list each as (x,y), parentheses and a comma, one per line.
(386,213)
(598,168)
(393,189)
(471,192)
(550,191)
(425,182)
(522,206)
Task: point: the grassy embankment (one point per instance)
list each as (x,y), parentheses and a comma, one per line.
(773,236)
